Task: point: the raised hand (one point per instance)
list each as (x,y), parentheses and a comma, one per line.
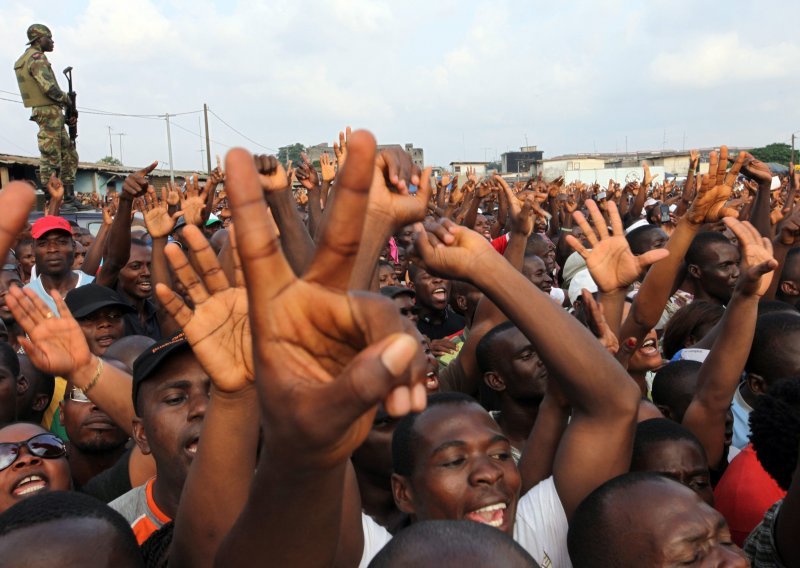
(56,345)
(715,189)
(109,210)
(610,261)
(471,177)
(156,214)
(193,202)
(757,265)
(340,149)
(789,233)
(271,174)
(316,385)
(327,167)
(756,170)
(450,250)
(521,210)
(16,202)
(55,188)
(648,177)
(217,177)
(136,184)
(694,159)
(218,328)
(598,324)
(306,174)
(173,194)
(389,198)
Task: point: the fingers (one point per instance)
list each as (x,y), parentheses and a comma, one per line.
(425,190)
(577,246)
(185,273)
(731,176)
(238,274)
(651,257)
(205,260)
(174,305)
(597,219)
(722,166)
(16,202)
(265,267)
(711,176)
(341,234)
(616,221)
(147,169)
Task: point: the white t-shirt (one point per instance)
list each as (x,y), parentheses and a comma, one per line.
(540,528)
(36,285)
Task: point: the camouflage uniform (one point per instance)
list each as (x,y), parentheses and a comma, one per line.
(40,91)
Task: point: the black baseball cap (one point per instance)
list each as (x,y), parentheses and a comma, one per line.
(84,300)
(151,358)
(394,291)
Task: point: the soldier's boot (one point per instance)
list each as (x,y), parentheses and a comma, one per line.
(70,201)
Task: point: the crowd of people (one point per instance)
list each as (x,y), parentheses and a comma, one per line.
(368,365)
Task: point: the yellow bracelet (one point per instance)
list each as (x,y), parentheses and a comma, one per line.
(95,378)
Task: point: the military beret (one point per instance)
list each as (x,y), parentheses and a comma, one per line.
(38,30)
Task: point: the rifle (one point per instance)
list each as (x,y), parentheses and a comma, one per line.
(72,110)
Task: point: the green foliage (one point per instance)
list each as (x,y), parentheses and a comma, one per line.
(293,153)
(110,161)
(493,166)
(778,152)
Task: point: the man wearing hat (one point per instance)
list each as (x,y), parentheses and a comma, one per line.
(54,251)
(41,93)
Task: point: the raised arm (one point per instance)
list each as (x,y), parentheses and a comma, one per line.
(295,240)
(323,360)
(94,256)
(759,172)
(722,370)
(598,441)
(119,236)
(218,330)
(708,207)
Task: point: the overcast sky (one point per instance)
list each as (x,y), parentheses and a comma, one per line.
(462,79)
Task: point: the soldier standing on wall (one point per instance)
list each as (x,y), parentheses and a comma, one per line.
(40,91)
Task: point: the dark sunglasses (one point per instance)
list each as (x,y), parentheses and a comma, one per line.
(46,445)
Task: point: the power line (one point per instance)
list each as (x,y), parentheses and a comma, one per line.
(242,135)
(176,125)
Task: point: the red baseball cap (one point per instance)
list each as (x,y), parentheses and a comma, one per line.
(50,223)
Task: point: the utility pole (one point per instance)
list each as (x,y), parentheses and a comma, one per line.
(120,134)
(110,146)
(208,139)
(169,147)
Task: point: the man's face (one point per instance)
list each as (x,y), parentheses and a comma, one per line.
(26,258)
(719,271)
(676,528)
(375,453)
(651,240)
(30,475)
(8,278)
(86,239)
(54,252)
(134,278)
(432,291)
(521,370)
(482,227)
(405,303)
(432,370)
(405,237)
(463,469)
(79,256)
(545,250)
(8,394)
(535,270)
(173,404)
(401,266)
(46,43)
(682,461)
(90,429)
(102,328)
(386,276)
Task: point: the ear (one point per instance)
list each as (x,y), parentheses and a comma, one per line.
(789,288)
(756,383)
(694,271)
(42,401)
(461,302)
(664,409)
(22,385)
(139,436)
(494,382)
(403,494)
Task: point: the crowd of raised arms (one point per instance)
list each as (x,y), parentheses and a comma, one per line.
(368,365)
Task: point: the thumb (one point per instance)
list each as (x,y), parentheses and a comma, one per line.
(652,256)
(371,377)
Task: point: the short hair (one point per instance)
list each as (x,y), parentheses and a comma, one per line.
(486,354)
(62,505)
(28,242)
(771,334)
(695,253)
(775,429)
(686,321)
(405,438)
(591,540)
(8,357)
(673,386)
(126,349)
(446,544)
(385,264)
(772,306)
(636,237)
(156,548)
(533,241)
(655,431)
(137,242)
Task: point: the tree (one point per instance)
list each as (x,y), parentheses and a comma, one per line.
(110,161)
(493,166)
(778,152)
(293,153)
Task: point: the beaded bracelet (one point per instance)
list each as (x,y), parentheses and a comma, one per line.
(95,378)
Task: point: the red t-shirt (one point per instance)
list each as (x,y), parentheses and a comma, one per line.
(745,492)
